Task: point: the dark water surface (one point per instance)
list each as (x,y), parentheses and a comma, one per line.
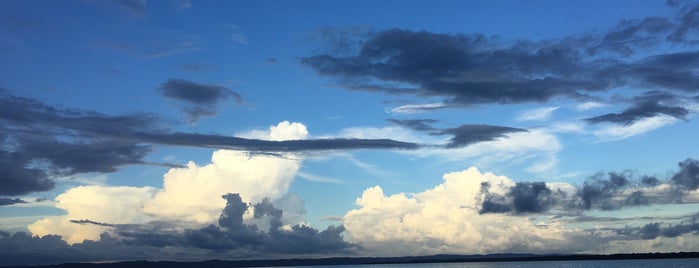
(669,263)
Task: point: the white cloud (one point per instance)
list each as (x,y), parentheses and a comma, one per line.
(194,193)
(317,178)
(416,108)
(190,196)
(589,106)
(285,130)
(535,147)
(114,205)
(538,147)
(620,132)
(445,219)
(539,114)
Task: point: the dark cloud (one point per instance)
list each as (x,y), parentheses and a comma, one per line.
(199,100)
(689,23)
(415,124)
(524,197)
(4,201)
(39,141)
(649,180)
(17,178)
(630,34)
(234,233)
(688,176)
(654,230)
(463,69)
(603,191)
(600,193)
(468,134)
(83,222)
(158,240)
(641,111)
(471,69)
(271,61)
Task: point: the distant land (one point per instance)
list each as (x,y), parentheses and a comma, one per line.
(501,257)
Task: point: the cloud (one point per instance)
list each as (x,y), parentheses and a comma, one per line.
(417,108)
(104,204)
(232,236)
(199,100)
(464,70)
(465,135)
(18,179)
(458,216)
(589,106)
(539,114)
(156,44)
(444,219)
(620,132)
(523,197)
(415,124)
(639,111)
(654,229)
(192,193)
(688,176)
(599,192)
(35,133)
(4,201)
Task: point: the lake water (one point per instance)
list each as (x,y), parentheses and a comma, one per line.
(667,263)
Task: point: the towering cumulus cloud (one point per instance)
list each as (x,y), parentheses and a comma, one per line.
(191,195)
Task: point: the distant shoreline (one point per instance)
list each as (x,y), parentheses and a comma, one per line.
(503,257)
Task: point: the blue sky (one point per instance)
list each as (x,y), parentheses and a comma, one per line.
(347,127)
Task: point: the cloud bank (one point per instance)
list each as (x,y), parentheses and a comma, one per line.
(73,141)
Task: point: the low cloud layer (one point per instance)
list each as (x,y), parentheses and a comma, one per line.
(611,191)
(478,212)
(231,235)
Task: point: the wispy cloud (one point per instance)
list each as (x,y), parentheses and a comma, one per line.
(317,178)
(539,114)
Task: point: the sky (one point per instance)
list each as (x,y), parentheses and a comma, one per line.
(192,130)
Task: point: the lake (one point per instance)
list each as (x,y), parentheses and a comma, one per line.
(674,263)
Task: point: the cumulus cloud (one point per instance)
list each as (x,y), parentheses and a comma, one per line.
(230,236)
(444,219)
(190,194)
(478,212)
(199,100)
(105,204)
